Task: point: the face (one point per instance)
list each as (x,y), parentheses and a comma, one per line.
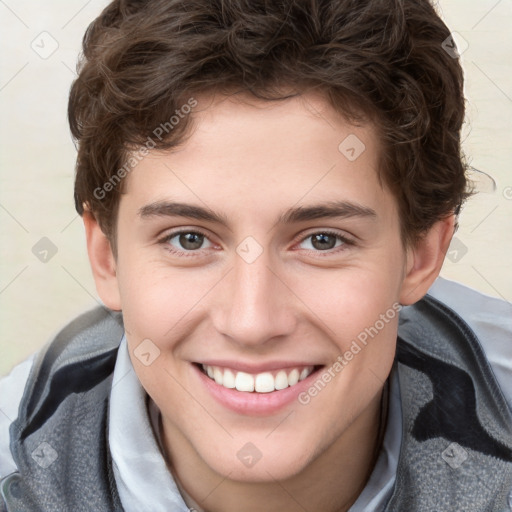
(259,252)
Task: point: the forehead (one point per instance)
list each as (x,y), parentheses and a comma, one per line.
(302,126)
(243,153)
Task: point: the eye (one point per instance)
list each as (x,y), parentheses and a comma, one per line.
(325,241)
(186,241)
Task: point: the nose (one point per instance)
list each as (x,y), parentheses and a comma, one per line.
(255,305)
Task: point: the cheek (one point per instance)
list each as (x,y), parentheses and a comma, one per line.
(154,298)
(144,303)
(349,301)
(369,306)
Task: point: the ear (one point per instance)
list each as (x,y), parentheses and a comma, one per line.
(425,259)
(103,263)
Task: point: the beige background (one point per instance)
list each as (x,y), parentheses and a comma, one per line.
(37,161)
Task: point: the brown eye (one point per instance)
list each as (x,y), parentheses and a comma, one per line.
(186,241)
(325,241)
(191,241)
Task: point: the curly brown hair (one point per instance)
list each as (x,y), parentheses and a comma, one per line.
(382,61)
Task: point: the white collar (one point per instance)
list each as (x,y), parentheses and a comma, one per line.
(143,480)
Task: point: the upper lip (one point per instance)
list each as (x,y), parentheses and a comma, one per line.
(256,368)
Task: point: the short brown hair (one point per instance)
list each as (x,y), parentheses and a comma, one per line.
(379,60)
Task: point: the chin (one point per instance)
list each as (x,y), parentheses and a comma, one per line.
(261,466)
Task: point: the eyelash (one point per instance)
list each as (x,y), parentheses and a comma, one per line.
(346,242)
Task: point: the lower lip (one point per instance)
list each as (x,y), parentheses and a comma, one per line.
(254,404)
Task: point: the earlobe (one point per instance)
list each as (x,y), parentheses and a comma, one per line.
(103,263)
(425,259)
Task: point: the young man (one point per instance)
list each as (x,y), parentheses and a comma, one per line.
(268,191)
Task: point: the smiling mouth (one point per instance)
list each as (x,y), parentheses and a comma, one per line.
(264,382)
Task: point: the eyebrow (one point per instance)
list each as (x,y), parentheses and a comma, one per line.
(332,209)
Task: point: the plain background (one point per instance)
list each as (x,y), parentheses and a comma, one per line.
(40,291)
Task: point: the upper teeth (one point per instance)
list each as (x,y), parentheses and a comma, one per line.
(262,382)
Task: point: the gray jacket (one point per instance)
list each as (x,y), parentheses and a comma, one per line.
(456,451)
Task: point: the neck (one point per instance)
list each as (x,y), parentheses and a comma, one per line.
(331,483)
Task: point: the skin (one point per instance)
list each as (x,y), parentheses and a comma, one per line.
(250,161)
